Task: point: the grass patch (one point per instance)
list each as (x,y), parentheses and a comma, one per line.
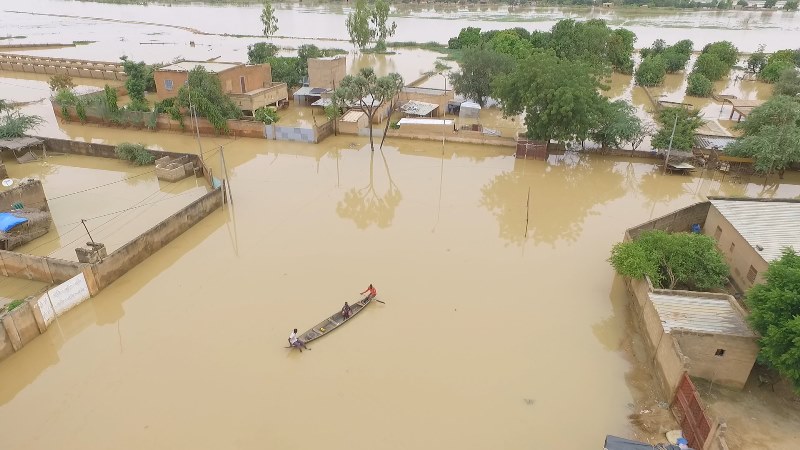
(83,42)
(12,37)
(13,305)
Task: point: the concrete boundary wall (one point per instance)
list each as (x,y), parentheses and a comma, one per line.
(28,192)
(128,256)
(678,221)
(39,268)
(74,67)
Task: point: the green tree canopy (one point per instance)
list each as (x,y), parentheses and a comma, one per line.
(651,71)
(675,56)
(773,70)
(711,67)
(699,85)
(203,92)
(367,92)
(725,51)
(560,98)
(479,66)
(381,28)
(139,77)
(672,260)
(688,122)
(268,19)
(14,124)
(358,25)
(775,314)
(509,43)
(467,37)
(617,123)
(788,83)
(771,135)
(261,52)
(757,60)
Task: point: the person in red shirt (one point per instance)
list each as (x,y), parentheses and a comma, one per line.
(372,292)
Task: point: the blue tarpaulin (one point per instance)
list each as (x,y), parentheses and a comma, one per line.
(8,221)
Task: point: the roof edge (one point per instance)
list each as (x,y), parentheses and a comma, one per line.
(751,199)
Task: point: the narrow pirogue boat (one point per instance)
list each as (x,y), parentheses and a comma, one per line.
(335,321)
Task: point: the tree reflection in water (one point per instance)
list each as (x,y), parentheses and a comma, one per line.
(563,192)
(365,206)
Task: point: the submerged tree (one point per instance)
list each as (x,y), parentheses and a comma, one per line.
(616,123)
(479,67)
(672,260)
(358,25)
(14,124)
(775,314)
(381,27)
(560,98)
(771,135)
(367,92)
(268,19)
(60,81)
(688,121)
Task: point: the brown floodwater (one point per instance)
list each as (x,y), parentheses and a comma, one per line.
(501,324)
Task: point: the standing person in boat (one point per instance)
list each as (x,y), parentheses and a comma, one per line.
(295,342)
(372,292)
(346,311)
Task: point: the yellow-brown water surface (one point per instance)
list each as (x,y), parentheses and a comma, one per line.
(502,327)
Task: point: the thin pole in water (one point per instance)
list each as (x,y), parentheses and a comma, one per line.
(674,125)
(83,221)
(225,172)
(527,212)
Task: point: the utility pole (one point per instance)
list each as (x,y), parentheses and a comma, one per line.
(83,221)
(225,172)
(666,159)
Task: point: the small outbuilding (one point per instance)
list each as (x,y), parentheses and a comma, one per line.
(469,110)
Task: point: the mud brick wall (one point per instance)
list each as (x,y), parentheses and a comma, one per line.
(680,220)
(128,256)
(30,194)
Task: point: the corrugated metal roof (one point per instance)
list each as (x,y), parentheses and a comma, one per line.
(353,116)
(704,315)
(772,225)
(416,108)
(414,121)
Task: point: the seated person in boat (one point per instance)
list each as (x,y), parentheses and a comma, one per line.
(372,292)
(295,342)
(346,311)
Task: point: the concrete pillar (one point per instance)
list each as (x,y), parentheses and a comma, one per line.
(37,315)
(94,252)
(11,330)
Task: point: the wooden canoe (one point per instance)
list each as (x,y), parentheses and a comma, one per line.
(333,322)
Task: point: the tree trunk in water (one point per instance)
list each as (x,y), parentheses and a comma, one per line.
(371,142)
(386,128)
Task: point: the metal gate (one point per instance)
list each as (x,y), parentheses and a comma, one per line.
(688,409)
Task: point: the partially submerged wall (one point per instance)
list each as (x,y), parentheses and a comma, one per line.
(29,192)
(678,221)
(81,68)
(128,256)
(39,268)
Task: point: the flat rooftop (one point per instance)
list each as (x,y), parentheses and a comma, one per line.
(699,314)
(213,67)
(772,225)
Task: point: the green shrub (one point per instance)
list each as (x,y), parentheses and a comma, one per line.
(135,153)
(771,73)
(711,67)
(651,71)
(699,85)
(111,99)
(80,109)
(14,304)
(266,115)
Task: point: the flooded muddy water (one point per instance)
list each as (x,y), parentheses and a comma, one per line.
(493,330)
(503,325)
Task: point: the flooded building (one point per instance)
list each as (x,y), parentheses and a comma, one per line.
(751,233)
(249,85)
(326,72)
